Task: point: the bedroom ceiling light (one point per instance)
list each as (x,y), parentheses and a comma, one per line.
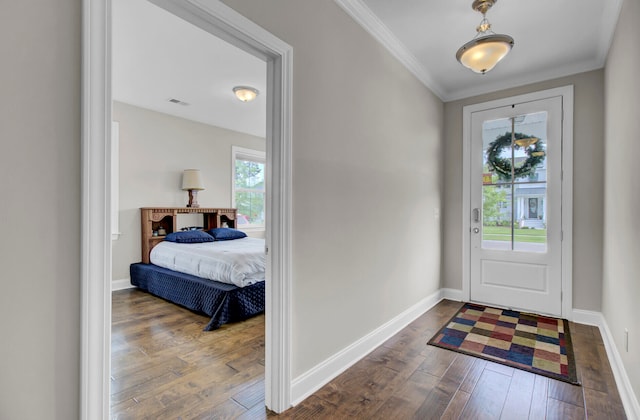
(483,52)
(192,182)
(245,93)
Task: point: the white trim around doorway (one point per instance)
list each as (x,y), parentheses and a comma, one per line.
(566,92)
(226,23)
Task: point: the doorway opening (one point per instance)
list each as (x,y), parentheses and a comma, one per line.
(222,21)
(157,347)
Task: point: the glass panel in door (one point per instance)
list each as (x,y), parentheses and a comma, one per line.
(514,183)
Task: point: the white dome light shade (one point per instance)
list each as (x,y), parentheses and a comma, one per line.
(483,53)
(245,93)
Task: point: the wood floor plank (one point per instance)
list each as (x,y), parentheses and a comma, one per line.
(408,398)
(456,406)
(500,368)
(399,360)
(577,329)
(254,355)
(437,361)
(589,368)
(146,371)
(359,392)
(258,412)
(488,397)
(229,409)
(403,338)
(210,394)
(562,391)
(438,400)
(607,375)
(187,380)
(125,392)
(559,410)
(599,405)
(470,381)
(395,382)
(251,395)
(177,408)
(217,396)
(519,396)
(312,408)
(539,398)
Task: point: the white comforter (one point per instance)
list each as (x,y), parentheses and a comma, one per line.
(239,261)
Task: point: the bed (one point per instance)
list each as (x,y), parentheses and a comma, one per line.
(222,279)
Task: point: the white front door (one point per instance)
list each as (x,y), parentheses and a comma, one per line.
(516,212)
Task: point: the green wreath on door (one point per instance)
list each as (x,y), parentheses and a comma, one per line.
(502,166)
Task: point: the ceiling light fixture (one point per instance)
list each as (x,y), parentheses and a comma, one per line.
(245,93)
(483,52)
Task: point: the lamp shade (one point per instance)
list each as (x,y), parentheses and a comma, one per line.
(483,53)
(191,180)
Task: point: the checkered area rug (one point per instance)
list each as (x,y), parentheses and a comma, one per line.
(534,343)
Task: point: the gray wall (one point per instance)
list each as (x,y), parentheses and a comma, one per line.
(621,289)
(366,174)
(154,150)
(588,190)
(40,186)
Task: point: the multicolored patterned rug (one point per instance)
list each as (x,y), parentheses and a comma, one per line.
(534,343)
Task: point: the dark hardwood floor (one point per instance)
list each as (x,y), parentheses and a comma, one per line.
(165,367)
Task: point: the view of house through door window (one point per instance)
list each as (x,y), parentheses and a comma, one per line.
(514,183)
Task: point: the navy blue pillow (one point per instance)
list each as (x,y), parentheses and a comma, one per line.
(226,234)
(189,237)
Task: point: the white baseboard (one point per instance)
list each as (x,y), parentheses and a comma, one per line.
(581,316)
(452,294)
(628,397)
(121,284)
(316,377)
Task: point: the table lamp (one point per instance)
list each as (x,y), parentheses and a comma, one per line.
(192,182)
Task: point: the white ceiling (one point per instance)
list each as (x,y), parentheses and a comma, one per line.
(158,56)
(553,38)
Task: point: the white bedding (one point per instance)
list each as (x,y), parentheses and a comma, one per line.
(239,261)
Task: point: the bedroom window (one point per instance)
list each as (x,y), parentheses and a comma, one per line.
(248,192)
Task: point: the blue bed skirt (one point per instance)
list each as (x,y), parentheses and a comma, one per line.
(223,302)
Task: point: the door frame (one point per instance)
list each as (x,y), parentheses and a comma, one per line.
(566,93)
(226,23)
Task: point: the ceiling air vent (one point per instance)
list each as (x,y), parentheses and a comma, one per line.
(178,101)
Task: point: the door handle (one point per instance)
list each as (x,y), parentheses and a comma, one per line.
(476,215)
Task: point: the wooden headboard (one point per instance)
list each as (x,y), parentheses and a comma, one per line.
(154,219)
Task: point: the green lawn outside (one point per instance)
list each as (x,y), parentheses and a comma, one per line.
(503,233)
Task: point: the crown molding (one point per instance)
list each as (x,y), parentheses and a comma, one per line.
(608,29)
(523,80)
(374,26)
